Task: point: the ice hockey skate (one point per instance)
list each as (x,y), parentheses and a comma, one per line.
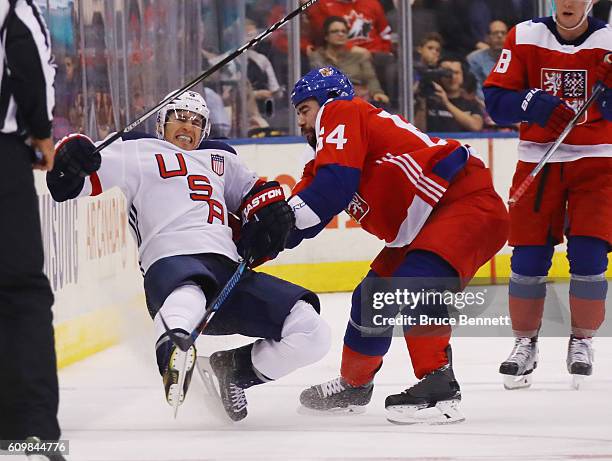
(176,368)
(337,396)
(579,359)
(433,400)
(518,367)
(235,372)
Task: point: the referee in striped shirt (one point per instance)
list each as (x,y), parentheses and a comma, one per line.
(28,382)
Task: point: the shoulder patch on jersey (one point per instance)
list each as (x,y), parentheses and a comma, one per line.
(217,163)
(133,135)
(218,145)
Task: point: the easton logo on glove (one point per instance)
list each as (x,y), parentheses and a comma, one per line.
(262,198)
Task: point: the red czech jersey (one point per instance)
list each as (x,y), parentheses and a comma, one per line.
(533,58)
(368,25)
(398,188)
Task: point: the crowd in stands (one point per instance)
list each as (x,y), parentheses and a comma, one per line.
(457,43)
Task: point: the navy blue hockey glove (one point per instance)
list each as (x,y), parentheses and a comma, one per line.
(268,219)
(74,159)
(74,156)
(546,110)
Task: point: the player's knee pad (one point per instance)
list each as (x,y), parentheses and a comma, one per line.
(310,334)
(587,255)
(183,308)
(532,260)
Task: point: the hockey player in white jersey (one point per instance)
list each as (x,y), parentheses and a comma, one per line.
(179,189)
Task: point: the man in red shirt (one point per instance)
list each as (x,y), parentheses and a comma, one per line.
(368,26)
(431,200)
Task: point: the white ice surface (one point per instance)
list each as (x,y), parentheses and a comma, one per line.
(112,408)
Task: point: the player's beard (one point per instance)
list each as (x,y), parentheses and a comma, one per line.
(311,137)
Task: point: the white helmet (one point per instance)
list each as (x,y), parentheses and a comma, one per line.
(189,101)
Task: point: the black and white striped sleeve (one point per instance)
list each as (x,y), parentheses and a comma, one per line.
(27,96)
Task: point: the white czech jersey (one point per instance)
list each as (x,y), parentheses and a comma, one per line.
(177,201)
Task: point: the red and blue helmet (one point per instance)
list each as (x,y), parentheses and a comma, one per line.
(322,84)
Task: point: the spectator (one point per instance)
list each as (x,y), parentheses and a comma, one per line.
(461,25)
(429,51)
(279,42)
(220,122)
(368,28)
(355,62)
(68,96)
(367,23)
(481,62)
(603,10)
(260,72)
(446,109)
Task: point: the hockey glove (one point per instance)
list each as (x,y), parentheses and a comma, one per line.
(74,156)
(546,110)
(268,221)
(603,72)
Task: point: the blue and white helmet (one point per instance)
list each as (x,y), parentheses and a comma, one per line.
(190,101)
(322,84)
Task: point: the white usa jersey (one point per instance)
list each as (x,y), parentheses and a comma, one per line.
(177,201)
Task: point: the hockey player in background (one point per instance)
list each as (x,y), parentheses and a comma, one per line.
(179,189)
(546,71)
(431,200)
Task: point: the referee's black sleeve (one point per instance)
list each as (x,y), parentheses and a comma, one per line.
(27,96)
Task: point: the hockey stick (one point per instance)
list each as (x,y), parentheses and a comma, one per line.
(185,343)
(206,74)
(522,188)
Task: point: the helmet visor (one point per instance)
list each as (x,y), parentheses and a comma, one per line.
(185,117)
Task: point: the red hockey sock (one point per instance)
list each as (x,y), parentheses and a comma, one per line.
(587,305)
(526,315)
(427,348)
(358,369)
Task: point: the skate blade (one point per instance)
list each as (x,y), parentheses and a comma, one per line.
(445,412)
(350,410)
(212,398)
(577,381)
(512,383)
(182,362)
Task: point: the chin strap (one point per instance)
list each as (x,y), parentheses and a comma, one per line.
(584,17)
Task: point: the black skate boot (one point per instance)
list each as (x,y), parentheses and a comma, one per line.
(519,366)
(579,359)
(235,372)
(175,366)
(337,395)
(438,391)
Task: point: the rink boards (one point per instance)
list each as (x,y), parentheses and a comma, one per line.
(91,259)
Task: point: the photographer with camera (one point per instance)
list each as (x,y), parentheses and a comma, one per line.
(440,104)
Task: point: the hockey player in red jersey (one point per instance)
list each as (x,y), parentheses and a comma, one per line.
(546,71)
(179,190)
(431,200)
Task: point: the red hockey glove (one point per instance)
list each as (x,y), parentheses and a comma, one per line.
(603,72)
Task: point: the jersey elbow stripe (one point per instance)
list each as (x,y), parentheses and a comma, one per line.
(433,196)
(418,180)
(422,177)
